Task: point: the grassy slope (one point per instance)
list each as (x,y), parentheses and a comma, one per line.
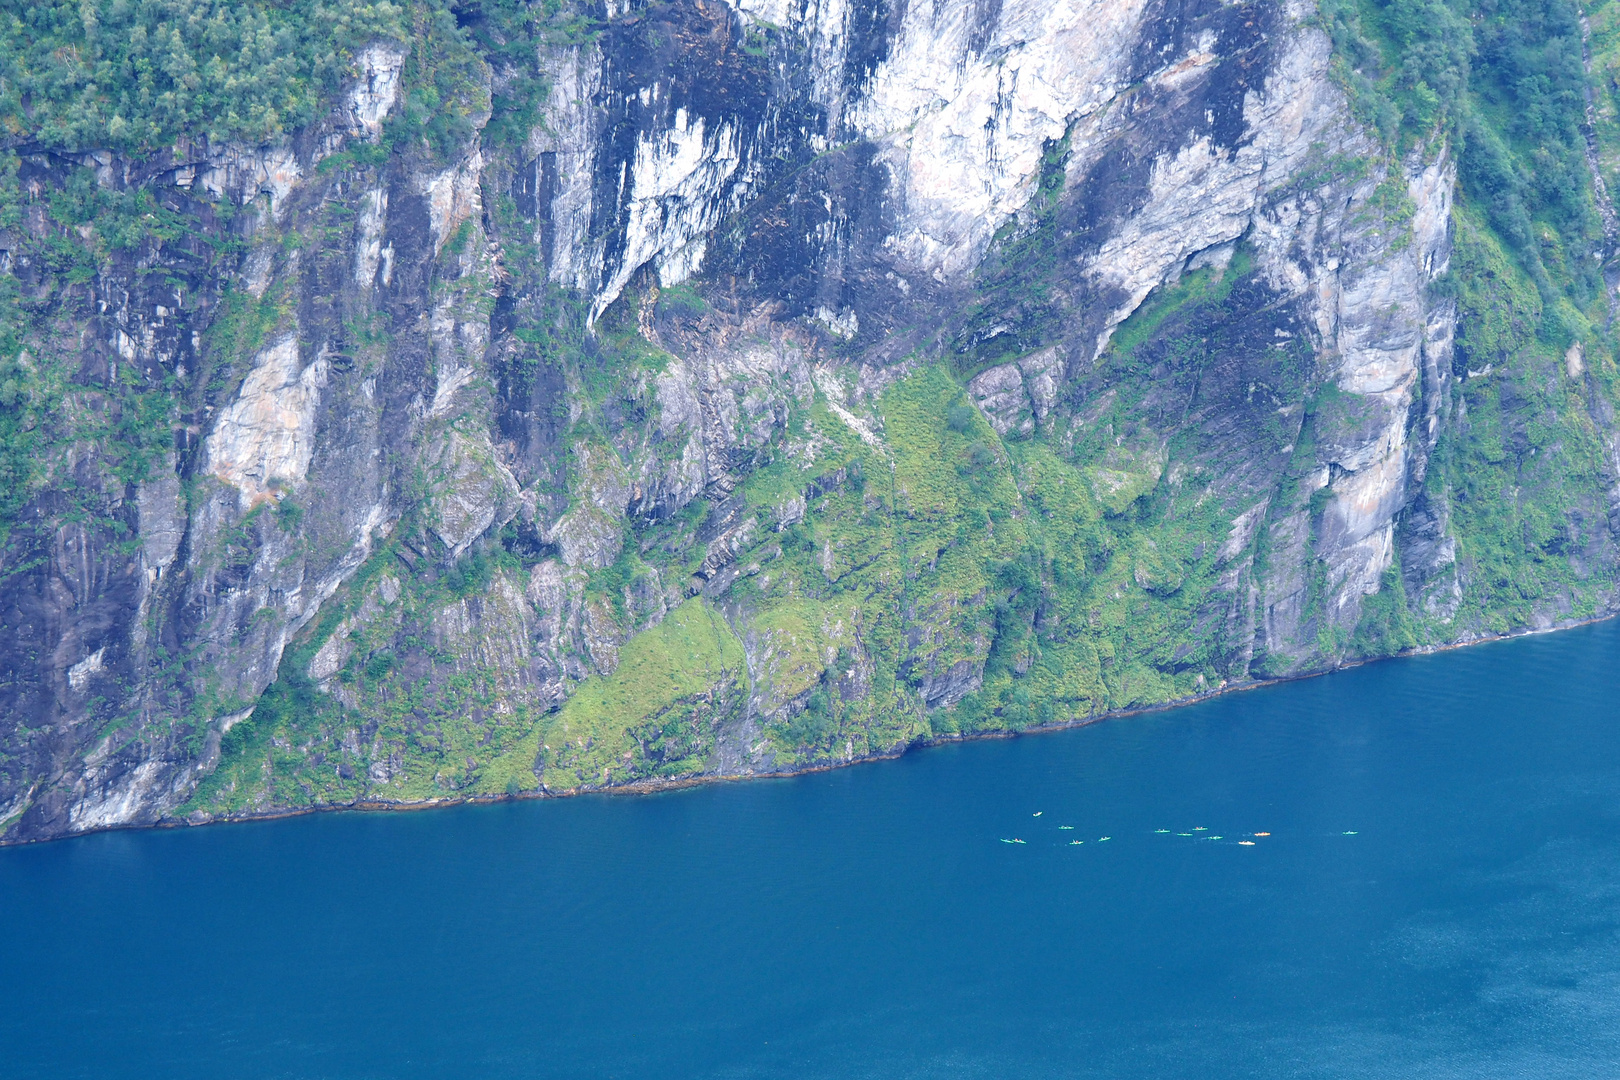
(674,682)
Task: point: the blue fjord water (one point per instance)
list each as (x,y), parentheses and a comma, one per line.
(1439,897)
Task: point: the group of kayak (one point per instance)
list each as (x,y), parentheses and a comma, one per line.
(1197,829)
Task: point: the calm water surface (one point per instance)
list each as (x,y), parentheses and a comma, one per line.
(1439,897)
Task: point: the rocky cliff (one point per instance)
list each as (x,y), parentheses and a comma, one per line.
(744,387)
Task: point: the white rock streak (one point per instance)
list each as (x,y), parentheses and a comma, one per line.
(267,435)
(675,183)
(376,89)
(964,128)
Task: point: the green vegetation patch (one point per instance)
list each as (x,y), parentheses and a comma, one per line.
(802,639)
(134,75)
(658,710)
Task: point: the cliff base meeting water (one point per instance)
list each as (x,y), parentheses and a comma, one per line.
(1407,869)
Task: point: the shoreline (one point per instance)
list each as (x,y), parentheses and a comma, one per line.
(651,786)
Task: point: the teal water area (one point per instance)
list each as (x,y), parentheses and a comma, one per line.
(1439,896)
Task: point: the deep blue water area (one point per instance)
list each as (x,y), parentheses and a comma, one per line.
(1439,896)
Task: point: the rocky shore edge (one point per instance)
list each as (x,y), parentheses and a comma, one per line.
(650,786)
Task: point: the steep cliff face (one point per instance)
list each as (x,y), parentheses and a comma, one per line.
(806,379)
